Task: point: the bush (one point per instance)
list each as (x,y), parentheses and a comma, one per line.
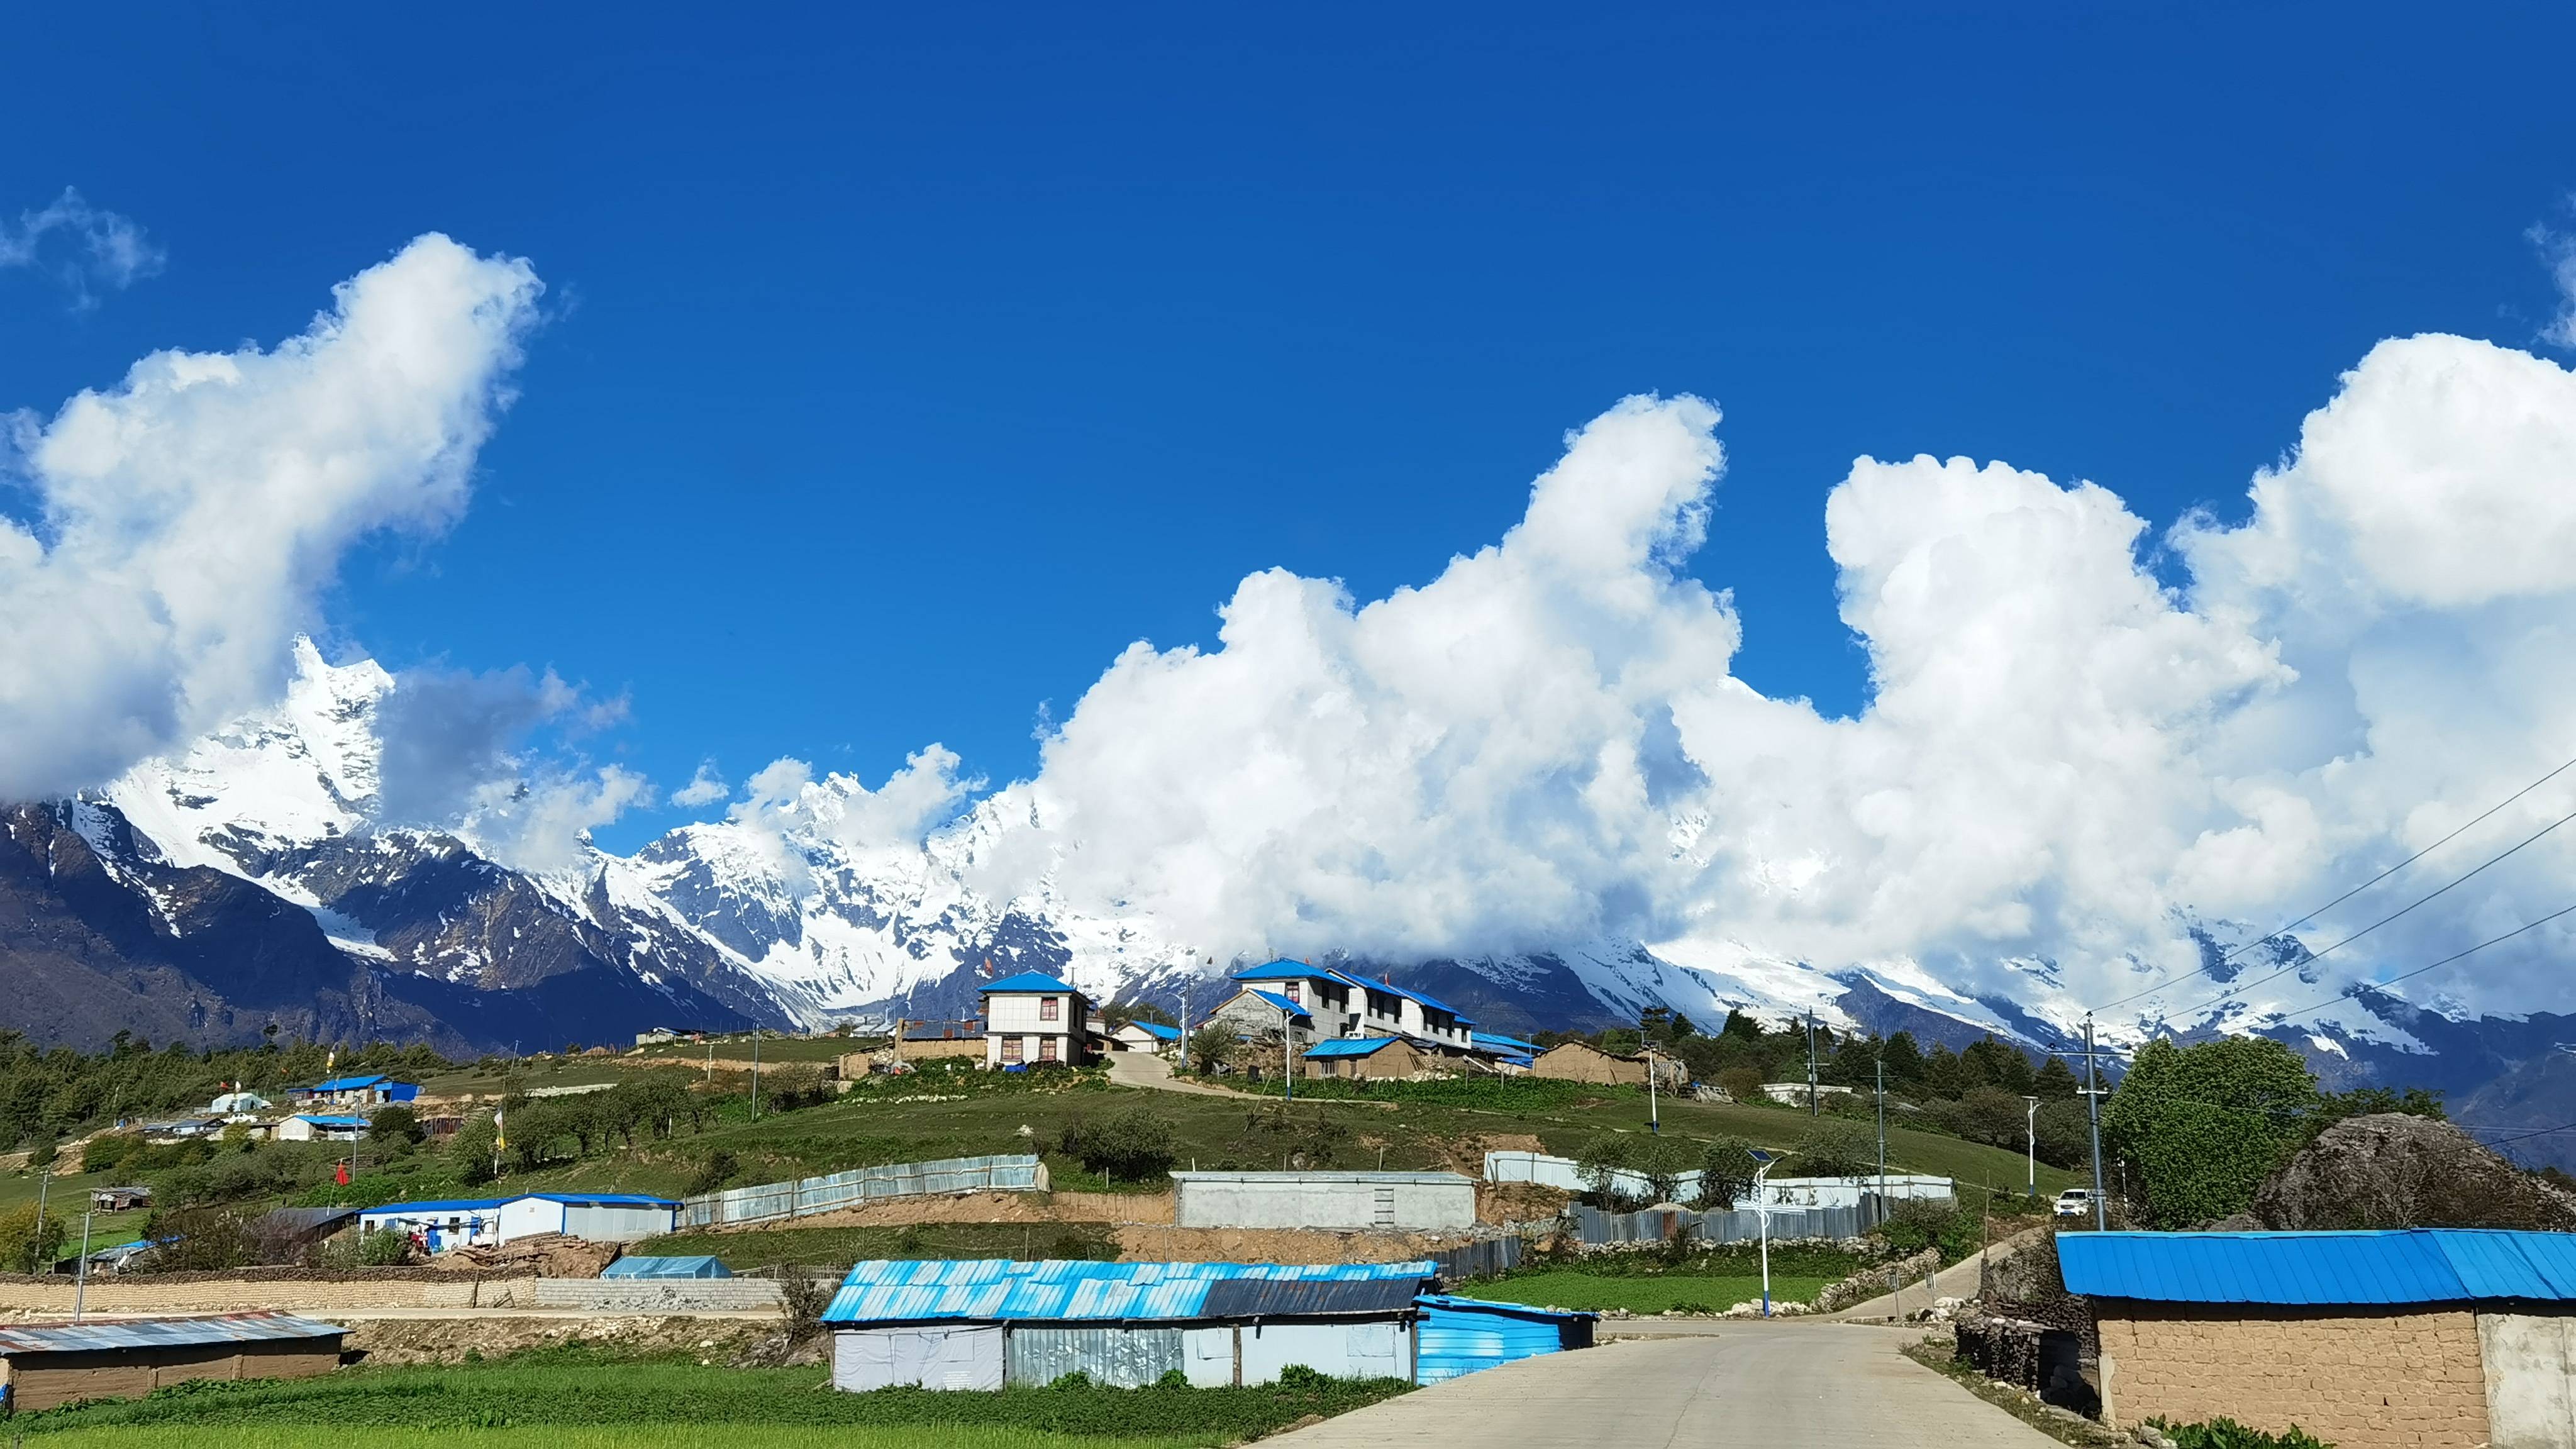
(715,1172)
(103,1152)
(1662,1161)
(199,1239)
(2228,1434)
(1599,1165)
(42,1155)
(1917,1223)
(381,1249)
(1298,1376)
(1743,1084)
(805,1297)
(396,1123)
(1135,1144)
(1837,1149)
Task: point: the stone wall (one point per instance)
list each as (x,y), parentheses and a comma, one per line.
(25,1298)
(2356,1379)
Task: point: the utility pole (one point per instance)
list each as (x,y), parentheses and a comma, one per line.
(44,1180)
(1882,1139)
(80,1274)
(1287,1050)
(2093,1113)
(755,1074)
(1812,1109)
(2030,1129)
(1654,1115)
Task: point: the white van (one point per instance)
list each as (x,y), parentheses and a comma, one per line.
(2075,1202)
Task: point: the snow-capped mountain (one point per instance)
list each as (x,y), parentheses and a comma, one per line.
(251,879)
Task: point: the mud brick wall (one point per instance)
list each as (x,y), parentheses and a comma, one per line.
(2356,1379)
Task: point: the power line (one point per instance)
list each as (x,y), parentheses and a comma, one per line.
(2391,916)
(2349,992)
(2347,895)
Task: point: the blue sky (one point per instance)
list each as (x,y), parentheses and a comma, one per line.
(901,367)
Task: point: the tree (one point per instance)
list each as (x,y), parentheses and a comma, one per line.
(22,1250)
(2054,1079)
(1211,1048)
(1742,1084)
(1682,1028)
(1661,1161)
(1904,1059)
(396,1123)
(1726,1172)
(1837,1149)
(471,1151)
(1743,1027)
(1601,1166)
(1991,1063)
(2205,1124)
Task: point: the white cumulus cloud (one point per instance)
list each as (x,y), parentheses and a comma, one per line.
(705,787)
(2065,765)
(186,520)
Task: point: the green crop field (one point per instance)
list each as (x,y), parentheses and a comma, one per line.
(576,1396)
(1574,1288)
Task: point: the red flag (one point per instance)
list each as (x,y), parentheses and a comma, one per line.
(340,1173)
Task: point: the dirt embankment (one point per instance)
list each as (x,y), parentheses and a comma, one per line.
(448,1340)
(991,1207)
(1148,1243)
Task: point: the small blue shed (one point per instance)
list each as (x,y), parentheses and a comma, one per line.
(701,1266)
(1461,1335)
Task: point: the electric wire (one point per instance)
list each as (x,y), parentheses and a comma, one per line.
(2347,895)
(2240,986)
(2353,991)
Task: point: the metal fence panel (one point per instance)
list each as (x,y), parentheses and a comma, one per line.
(1739,1225)
(1483,1258)
(858,1187)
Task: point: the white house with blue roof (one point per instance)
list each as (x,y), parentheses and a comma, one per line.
(1033,1019)
(597,1217)
(1318,1004)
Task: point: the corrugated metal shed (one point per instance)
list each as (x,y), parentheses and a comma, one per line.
(999,1290)
(700,1266)
(1351,1046)
(2417,1265)
(1462,1335)
(160,1333)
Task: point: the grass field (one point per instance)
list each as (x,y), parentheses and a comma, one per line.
(577,1396)
(1573,1288)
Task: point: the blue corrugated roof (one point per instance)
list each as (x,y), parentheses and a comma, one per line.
(1504,1045)
(1284,1004)
(435,1205)
(1285,970)
(346,1084)
(995,1289)
(2415,1265)
(1029,981)
(1351,1046)
(1156,1028)
(598,1199)
(319,1120)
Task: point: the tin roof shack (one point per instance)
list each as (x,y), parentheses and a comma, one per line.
(2423,1337)
(49,1364)
(981,1324)
(1332,1201)
(1576,1061)
(1462,1335)
(1368,1058)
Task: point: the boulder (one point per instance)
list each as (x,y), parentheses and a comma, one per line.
(2391,1170)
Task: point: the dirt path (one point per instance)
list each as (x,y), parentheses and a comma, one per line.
(1150,1071)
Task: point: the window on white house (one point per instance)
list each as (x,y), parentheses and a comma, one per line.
(1046,1048)
(1010,1049)
(1295,991)
(1047,1006)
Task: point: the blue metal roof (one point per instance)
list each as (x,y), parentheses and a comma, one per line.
(347,1084)
(319,1120)
(1029,981)
(1463,1335)
(596,1199)
(997,1289)
(1156,1028)
(1284,1004)
(1285,970)
(1351,1046)
(1503,1045)
(2414,1265)
(435,1205)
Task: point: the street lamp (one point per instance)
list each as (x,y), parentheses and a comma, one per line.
(2030,1129)
(1762,1213)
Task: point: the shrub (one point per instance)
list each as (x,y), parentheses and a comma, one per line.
(1135,1144)
(1298,1376)
(381,1249)
(1599,1165)
(805,1297)
(1837,1149)
(103,1152)
(1744,1084)
(42,1155)
(715,1172)
(396,1123)
(1662,1161)
(2228,1434)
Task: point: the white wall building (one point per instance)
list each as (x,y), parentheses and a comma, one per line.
(1033,1018)
(1332,1201)
(593,1217)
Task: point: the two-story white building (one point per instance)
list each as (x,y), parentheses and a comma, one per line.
(1336,1004)
(1034,1018)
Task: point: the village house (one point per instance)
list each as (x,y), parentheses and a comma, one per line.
(1033,1019)
(2428,1338)
(1369,1058)
(1577,1061)
(374,1091)
(1145,1036)
(48,1364)
(320,1127)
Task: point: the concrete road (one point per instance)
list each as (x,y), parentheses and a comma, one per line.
(1151,1071)
(1794,1386)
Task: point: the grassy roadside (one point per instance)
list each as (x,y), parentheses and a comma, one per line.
(1937,1353)
(633,1436)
